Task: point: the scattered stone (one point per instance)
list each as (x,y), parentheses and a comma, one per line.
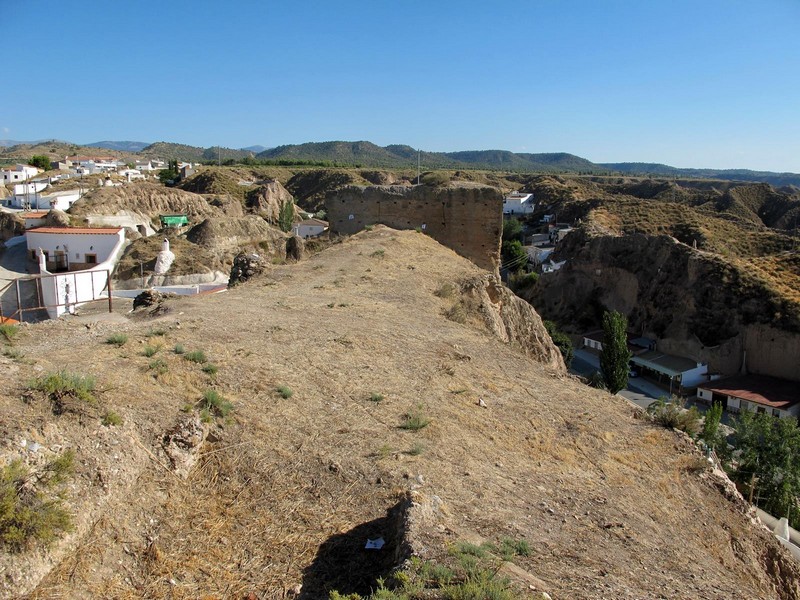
(147,298)
(246,266)
(182,443)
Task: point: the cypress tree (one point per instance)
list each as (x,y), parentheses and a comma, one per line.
(615,355)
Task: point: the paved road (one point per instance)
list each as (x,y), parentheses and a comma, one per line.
(639,391)
(13,262)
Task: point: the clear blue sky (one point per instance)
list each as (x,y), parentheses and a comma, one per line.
(692,83)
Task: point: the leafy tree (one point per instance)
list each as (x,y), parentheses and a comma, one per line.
(615,355)
(768,462)
(711,434)
(171,173)
(512,230)
(514,255)
(286,216)
(40,162)
(561,340)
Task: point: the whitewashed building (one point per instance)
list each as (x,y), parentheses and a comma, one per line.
(79,259)
(60,200)
(756,393)
(310,228)
(34,218)
(18,173)
(518,203)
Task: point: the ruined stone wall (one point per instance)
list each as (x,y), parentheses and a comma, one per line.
(469,220)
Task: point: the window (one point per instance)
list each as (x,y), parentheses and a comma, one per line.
(776,412)
(90,259)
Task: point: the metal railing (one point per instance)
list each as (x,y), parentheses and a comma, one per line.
(15,286)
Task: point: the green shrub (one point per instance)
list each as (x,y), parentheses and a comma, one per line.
(157,332)
(196,356)
(417,449)
(415,420)
(510,547)
(446,290)
(378,253)
(205,416)
(117,339)
(285,391)
(13,354)
(179,349)
(457,313)
(159,366)
(111,419)
(215,403)
(149,351)
(210,369)
(30,508)
(673,415)
(9,332)
(62,385)
(375,397)
(562,341)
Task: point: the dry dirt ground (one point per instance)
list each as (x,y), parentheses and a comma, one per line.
(287,490)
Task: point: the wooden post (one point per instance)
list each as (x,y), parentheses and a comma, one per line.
(108,279)
(19,301)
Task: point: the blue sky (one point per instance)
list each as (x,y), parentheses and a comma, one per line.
(691,83)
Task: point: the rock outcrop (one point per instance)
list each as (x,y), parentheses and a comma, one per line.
(267,199)
(10,226)
(513,320)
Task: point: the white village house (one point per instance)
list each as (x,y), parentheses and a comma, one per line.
(518,203)
(18,173)
(34,218)
(310,228)
(756,393)
(60,200)
(80,260)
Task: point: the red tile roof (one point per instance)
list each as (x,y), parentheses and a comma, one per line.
(767,391)
(77,230)
(34,214)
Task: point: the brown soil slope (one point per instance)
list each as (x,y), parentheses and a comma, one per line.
(611,506)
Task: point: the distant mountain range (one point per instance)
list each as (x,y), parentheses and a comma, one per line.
(121,146)
(365,154)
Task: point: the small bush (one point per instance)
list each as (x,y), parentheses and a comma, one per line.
(596,380)
(149,351)
(205,416)
(673,415)
(31,511)
(64,385)
(210,369)
(159,367)
(13,354)
(196,356)
(9,332)
(457,313)
(117,339)
(417,449)
(415,420)
(215,403)
(285,391)
(179,349)
(446,290)
(157,332)
(510,547)
(378,253)
(375,397)
(112,419)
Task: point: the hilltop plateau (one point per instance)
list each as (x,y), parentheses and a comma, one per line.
(385,387)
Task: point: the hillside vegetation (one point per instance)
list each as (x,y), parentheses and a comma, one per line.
(339,386)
